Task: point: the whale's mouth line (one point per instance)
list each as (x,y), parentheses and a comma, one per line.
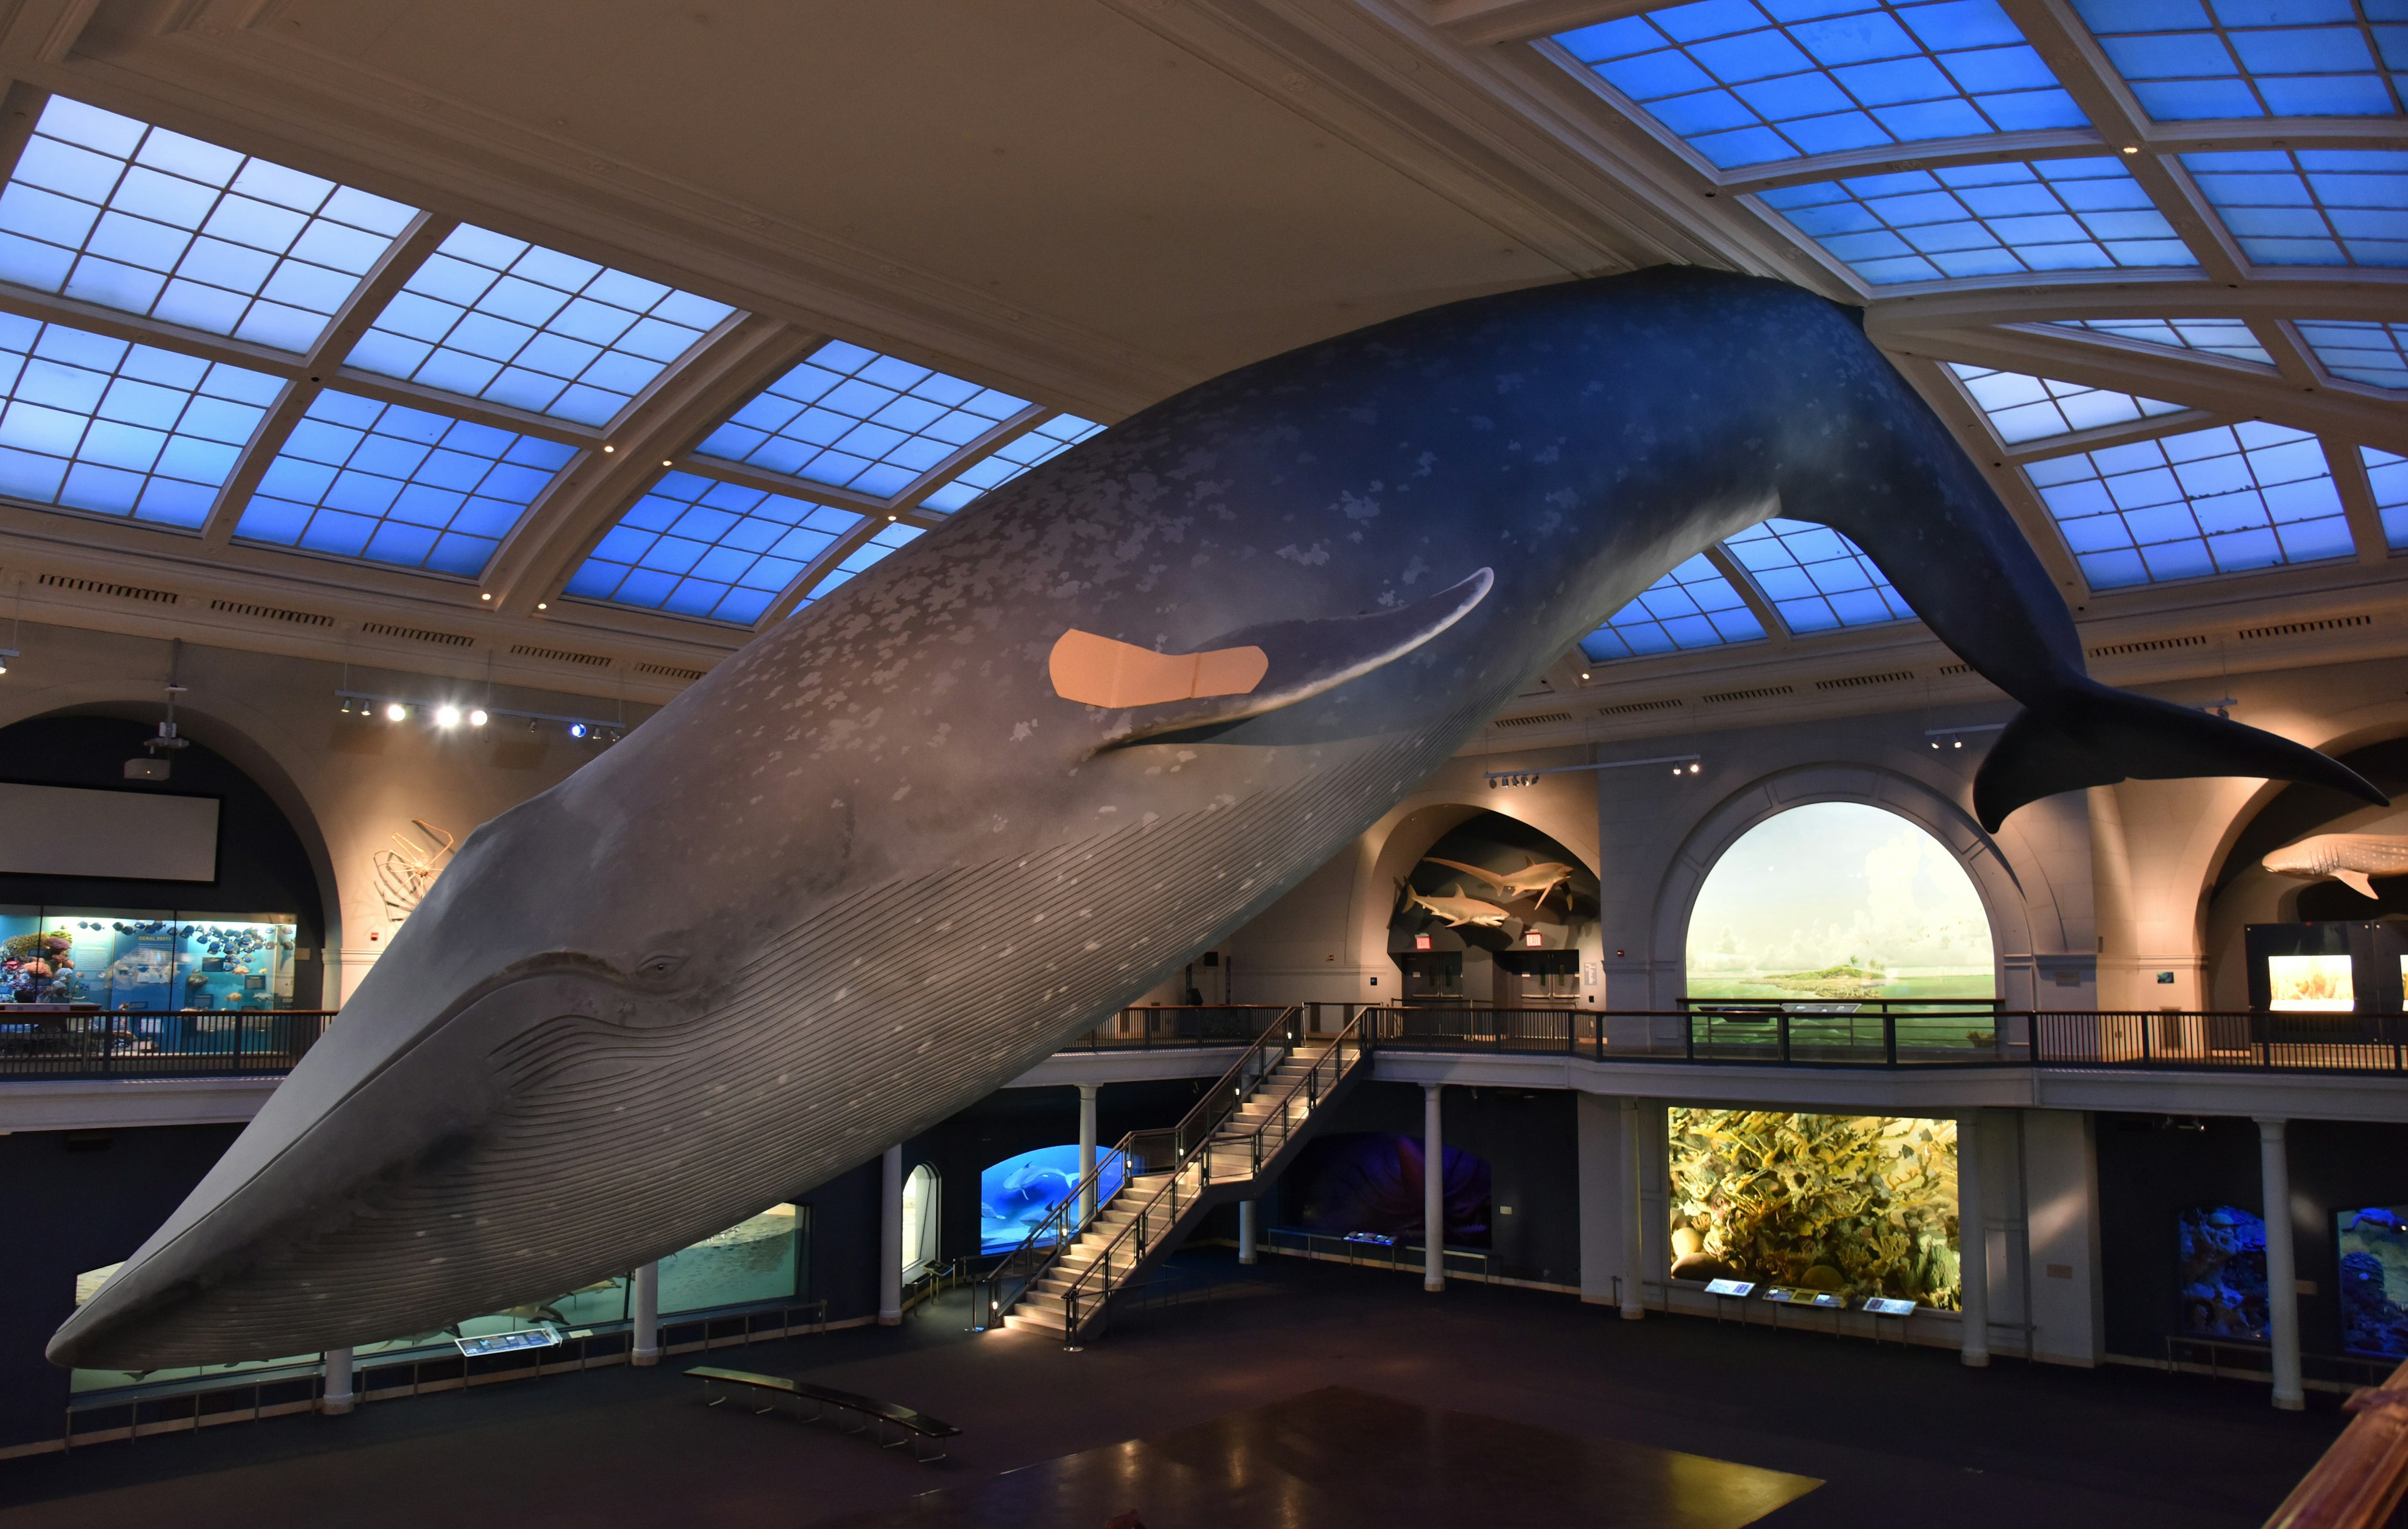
(533,968)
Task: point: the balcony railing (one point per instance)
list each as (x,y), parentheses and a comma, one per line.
(38,1042)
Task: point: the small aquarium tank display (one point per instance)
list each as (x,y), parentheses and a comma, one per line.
(759,1259)
(1864,1205)
(2222,1267)
(1017,1193)
(2311,983)
(2375,1279)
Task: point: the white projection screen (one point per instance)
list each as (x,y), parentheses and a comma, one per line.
(63,831)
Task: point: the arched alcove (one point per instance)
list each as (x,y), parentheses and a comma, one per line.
(264,862)
(2004,901)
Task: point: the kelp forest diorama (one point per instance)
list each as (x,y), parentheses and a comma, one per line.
(1860,1204)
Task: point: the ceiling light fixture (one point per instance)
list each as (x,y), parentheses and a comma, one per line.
(608,450)
(541,606)
(2132,148)
(477,718)
(577,729)
(447,716)
(396,713)
(667,463)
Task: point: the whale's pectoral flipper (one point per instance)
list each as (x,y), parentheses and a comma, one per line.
(2093,735)
(1220,683)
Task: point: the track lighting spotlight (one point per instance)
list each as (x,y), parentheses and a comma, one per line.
(396,712)
(447,716)
(346,705)
(577,729)
(477,717)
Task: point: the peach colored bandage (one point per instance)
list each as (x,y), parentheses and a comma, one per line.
(1099,672)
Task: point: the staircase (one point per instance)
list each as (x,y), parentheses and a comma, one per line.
(1246,1130)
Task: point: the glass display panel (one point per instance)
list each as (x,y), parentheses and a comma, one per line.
(758,1258)
(1017,1193)
(2373,1280)
(1838,900)
(919,1220)
(2311,983)
(88,1284)
(2222,1257)
(1843,1206)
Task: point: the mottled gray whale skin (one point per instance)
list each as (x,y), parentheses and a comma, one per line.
(873,867)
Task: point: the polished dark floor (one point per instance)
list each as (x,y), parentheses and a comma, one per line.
(1898,1437)
(1339,1458)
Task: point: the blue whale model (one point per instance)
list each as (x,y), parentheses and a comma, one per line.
(892,854)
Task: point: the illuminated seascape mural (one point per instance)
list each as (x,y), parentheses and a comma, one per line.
(1017,1193)
(1369,1183)
(2373,1280)
(1839,901)
(2221,1250)
(1860,1204)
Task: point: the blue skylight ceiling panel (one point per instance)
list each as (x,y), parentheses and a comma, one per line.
(406,486)
(2220,501)
(1816,579)
(492,317)
(90,423)
(2310,207)
(1012,458)
(1984,220)
(864,557)
(2374,353)
(2227,337)
(1745,82)
(112,211)
(2388,475)
(2189,60)
(696,547)
(854,419)
(2021,407)
(1693,606)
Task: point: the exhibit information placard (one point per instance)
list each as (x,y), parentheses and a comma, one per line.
(1729,1286)
(1882,1306)
(504,1343)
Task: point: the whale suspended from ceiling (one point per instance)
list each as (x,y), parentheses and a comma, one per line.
(2351,858)
(898,849)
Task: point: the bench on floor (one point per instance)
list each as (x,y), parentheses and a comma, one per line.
(917,1429)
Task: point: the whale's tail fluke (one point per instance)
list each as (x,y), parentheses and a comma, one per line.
(2093,735)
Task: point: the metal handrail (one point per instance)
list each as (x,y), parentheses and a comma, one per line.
(1350,1042)
(2362,1476)
(1050,1238)
(43,1040)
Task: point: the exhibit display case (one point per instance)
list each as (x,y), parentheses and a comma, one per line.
(2331,968)
(148,961)
(757,1260)
(1018,1193)
(2221,1265)
(2372,1242)
(1838,1205)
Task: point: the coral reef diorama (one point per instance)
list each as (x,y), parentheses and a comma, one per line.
(1860,1204)
(2222,1256)
(2375,1279)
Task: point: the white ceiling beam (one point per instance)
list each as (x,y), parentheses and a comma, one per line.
(2066,45)
(1480,22)
(2209,384)
(1776,630)
(562,524)
(2338,294)
(386,278)
(2358,502)
(2072,442)
(140,330)
(2057,143)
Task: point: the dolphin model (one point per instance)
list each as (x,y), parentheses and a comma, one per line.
(878,863)
(2350,858)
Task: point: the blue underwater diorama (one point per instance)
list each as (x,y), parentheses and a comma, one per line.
(2375,1279)
(1371,1182)
(1017,1193)
(2223,1272)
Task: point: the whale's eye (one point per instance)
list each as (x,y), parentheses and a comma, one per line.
(660,965)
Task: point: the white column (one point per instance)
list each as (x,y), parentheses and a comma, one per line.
(890,1236)
(1248,1230)
(1433,1192)
(1635,1158)
(1087,1153)
(1973,1245)
(338,1399)
(2281,1264)
(644,1303)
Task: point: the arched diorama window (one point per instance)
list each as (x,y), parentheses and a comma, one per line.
(1836,903)
(919,1220)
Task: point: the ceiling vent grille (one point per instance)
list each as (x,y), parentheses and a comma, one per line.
(1533,719)
(122,591)
(1762,692)
(416,634)
(670,671)
(2153,644)
(1949,671)
(561,656)
(1858,682)
(2293,628)
(272,613)
(1629,708)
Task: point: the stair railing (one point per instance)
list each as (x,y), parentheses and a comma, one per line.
(2364,1473)
(1138,1152)
(1159,1216)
